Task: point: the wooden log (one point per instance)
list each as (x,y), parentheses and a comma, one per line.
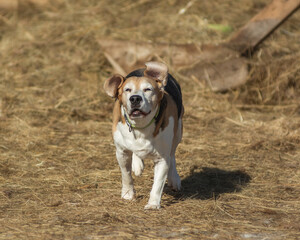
(262,25)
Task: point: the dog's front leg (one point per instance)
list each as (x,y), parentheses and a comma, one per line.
(124,160)
(160,174)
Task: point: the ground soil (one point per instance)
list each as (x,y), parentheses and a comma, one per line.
(240,154)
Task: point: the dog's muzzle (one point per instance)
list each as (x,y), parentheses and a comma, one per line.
(136,112)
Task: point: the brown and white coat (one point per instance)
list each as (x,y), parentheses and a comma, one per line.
(147,121)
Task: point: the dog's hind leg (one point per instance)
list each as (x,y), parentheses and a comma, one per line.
(124,160)
(173,177)
(137,165)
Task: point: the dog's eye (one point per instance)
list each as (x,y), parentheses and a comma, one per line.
(128,90)
(147,89)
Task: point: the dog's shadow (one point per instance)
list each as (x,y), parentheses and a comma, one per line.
(210,183)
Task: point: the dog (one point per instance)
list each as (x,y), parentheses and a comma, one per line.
(147,121)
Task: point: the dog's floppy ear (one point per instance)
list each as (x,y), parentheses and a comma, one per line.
(158,71)
(112,85)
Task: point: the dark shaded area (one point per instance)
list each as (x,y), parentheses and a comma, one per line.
(210,183)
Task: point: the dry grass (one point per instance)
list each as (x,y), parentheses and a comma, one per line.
(239,159)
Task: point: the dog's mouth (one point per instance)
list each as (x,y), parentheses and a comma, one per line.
(137,113)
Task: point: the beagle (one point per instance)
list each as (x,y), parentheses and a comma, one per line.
(147,121)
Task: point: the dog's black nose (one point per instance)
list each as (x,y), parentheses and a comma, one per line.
(135,99)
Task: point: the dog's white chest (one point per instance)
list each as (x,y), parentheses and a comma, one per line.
(134,141)
(143,143)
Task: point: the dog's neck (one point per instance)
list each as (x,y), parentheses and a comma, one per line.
(140,123)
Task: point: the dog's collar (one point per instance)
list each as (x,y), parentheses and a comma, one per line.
(132,126)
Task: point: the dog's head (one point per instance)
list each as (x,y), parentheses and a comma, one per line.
(139,95)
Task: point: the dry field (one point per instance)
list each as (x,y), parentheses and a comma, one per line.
(239,160)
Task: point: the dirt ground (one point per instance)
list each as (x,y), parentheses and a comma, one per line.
(239,160)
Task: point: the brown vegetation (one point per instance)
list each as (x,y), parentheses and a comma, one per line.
(239,158)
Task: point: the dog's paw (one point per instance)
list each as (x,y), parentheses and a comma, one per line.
(174,182)
(152,207)
(128,194)
(137,165)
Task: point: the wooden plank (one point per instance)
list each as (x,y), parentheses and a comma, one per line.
(262,25)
